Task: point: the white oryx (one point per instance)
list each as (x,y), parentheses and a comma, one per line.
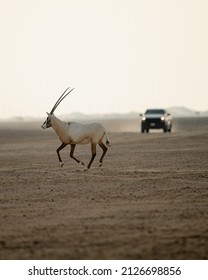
(72,133)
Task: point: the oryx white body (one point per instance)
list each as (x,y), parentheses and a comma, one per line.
(77,133)
(73,133)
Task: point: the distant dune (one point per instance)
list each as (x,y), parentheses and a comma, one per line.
(175,111)
(185,112)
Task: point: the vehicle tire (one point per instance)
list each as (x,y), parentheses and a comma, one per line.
(147,130)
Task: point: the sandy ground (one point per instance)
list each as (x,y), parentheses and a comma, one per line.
(148,201)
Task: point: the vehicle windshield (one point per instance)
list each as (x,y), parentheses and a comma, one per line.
(155,111)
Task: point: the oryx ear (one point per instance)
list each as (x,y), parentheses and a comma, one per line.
(47,113)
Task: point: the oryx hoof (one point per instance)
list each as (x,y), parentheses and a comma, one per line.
(81,162)
(61,164)
(100,164)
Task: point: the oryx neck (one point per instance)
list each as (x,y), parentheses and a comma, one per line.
(58,125)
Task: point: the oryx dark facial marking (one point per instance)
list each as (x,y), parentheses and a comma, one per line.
(47,123)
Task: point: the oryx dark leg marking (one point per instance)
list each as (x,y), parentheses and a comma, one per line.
(63,145)
(93,149)
(104,148)
(72,154)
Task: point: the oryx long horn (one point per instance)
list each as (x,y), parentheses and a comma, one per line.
(54,107)
(60,99)
(56,104)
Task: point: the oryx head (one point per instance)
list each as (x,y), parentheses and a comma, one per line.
(47,122)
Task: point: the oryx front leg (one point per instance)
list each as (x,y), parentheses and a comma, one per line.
(104,148)
(72,154)
(93,149)
(63,145)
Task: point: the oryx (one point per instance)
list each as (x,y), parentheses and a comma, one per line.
(72,133)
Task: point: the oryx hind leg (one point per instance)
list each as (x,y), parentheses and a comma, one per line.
(72,154)
(63,145)
(93,149)
(104,148)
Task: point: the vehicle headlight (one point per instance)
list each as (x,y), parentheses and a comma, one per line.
(162,118)
(143,118)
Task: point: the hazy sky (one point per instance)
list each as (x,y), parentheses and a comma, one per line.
(120,55)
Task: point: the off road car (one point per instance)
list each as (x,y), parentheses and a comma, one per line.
(156,119)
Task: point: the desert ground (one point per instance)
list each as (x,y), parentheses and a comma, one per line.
(149,200)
